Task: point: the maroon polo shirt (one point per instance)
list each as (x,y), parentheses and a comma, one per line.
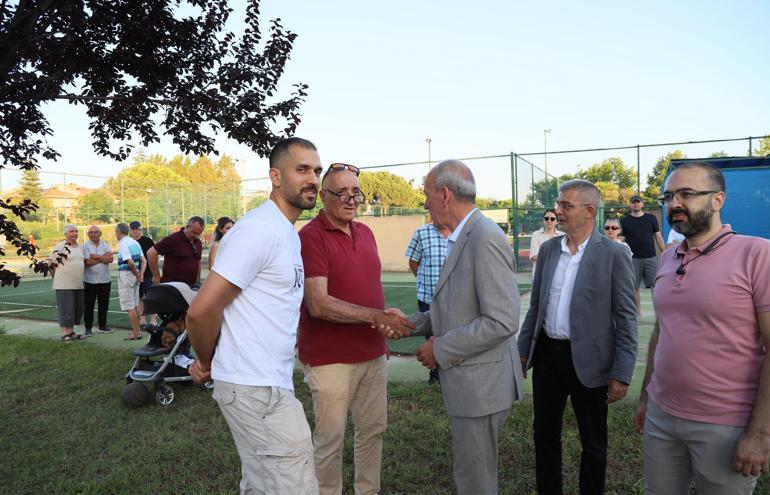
(181,258)
(351,266)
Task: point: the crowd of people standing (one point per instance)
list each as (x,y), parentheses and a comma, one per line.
(82,280)
(704,410)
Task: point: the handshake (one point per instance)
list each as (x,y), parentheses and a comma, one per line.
(392,324)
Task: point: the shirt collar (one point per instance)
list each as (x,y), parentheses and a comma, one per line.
(682,248)
(328,225)
(456,232)
(581,246)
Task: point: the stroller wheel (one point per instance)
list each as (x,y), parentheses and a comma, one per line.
(208,385)
(164,395)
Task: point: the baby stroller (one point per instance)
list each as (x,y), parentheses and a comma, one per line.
(166,356)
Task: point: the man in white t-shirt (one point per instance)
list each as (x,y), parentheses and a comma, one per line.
(243,327)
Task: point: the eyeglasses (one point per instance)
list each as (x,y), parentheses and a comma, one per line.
(549,219)
(611,227)
(94,233)
(194,249)
(566,205)
(684,195)
(336,167)
(357,197)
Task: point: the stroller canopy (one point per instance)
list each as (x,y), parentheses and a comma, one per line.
(169,297)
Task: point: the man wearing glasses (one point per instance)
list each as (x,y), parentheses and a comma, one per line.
(579,336)
(248,312)
(181,253)
(642,233)
(342,356)
(705,403)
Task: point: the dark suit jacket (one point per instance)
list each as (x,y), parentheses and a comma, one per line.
(602,313)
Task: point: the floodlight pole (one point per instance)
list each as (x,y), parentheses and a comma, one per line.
(545,156)
(428,140)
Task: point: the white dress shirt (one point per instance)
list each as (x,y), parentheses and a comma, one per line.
(456,233)
(557,322)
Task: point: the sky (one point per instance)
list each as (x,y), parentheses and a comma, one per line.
(487,77)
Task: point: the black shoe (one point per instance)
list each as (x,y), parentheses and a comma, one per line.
(105,330)
(433,377)
(88,332)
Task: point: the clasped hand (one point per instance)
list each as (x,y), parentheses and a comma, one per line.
(392,324)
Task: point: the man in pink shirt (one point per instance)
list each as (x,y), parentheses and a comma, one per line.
(705,403)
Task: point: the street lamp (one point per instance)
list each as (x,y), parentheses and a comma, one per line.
(545,155)
(428,140)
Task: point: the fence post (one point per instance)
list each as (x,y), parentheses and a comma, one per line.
(514,208)
(122,203)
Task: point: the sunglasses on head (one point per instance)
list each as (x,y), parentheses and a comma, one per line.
(611,227)
(549,219)
(336,167)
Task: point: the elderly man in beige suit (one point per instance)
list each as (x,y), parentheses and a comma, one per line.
(472,321)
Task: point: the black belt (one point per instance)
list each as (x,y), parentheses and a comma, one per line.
(551,342)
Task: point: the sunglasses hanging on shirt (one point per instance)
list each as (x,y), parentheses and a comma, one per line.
(709,249)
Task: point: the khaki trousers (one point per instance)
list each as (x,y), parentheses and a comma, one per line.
(272,437)
(678,451)
(360,388)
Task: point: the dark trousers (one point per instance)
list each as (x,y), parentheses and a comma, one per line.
(553,380)
(92,293)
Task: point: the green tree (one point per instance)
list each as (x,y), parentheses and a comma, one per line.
(764,147)
(388,189)
(658,174)
(31,188)
(96,206)
(141,70)
(544,193)
(133,182)
(718,154)
(611,170)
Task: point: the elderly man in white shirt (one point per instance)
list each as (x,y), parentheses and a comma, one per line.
(97,283)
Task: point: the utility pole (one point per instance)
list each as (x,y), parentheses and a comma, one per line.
(428,140)
(545,156)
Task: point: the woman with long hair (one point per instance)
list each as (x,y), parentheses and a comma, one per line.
(223,225)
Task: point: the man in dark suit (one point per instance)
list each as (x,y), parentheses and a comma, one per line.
(579,335)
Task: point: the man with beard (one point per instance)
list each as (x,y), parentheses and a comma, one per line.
(243,326)
(705,403)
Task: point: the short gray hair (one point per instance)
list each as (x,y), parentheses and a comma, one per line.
(122,227)
(69,227)
(457,177)
(589,193)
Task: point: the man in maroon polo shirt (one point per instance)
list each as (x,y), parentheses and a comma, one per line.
(181,253)
(343,357)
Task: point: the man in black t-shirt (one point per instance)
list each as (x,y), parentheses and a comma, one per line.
(146,243)
(642,233)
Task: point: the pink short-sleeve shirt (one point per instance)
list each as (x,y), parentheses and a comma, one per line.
(710,352)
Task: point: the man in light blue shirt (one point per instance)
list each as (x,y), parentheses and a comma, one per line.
(427,253)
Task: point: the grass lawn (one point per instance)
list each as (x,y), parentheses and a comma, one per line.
(64,430)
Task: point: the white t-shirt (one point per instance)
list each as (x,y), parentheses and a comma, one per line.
(261,255)
(674,236)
